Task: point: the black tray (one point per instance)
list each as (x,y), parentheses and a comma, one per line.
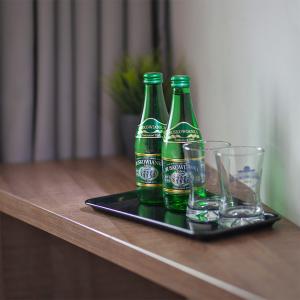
(127,205)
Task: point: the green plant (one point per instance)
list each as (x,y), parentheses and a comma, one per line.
(126,85)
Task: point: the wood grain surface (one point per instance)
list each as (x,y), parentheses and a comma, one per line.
(50,196)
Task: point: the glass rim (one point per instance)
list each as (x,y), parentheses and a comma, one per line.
(186,146)
(253,150)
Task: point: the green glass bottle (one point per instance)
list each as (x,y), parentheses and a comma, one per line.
(182,127)
(148,141)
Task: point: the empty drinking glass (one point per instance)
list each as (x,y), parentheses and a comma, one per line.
(204,198)
(240,171)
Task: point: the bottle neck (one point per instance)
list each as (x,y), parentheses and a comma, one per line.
(182,107)
(154,105)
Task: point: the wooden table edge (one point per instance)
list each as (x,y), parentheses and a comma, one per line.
(75,233)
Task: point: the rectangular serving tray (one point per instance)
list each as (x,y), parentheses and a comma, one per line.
(127,205)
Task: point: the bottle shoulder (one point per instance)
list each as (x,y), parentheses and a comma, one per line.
(160,117)
(155,108)
(182,132)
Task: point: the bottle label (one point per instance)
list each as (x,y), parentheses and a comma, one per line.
(182,132)
(151,128)
(148,169)
(176,178)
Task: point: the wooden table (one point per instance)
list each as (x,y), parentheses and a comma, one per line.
(50,196)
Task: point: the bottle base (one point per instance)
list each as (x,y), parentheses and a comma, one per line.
(175,202)
(152,196)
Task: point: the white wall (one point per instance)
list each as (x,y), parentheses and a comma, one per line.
(244,59)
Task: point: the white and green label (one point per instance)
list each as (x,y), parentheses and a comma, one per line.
(148,169)
(176,178)
(151,128)
(183,132)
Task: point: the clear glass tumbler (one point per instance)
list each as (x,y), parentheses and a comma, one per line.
(240,171)
(205,193)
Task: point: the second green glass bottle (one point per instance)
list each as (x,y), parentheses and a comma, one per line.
(182,127)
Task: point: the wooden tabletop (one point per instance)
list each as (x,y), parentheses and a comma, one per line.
(51,195)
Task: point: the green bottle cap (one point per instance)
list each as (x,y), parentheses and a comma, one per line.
(180,81)
(153,78)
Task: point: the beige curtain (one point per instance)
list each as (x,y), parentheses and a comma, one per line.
(54,59)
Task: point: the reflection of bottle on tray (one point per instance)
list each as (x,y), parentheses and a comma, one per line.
(175,218)
(153,212)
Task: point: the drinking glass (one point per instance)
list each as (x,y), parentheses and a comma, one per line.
(240,171)
(204,197)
